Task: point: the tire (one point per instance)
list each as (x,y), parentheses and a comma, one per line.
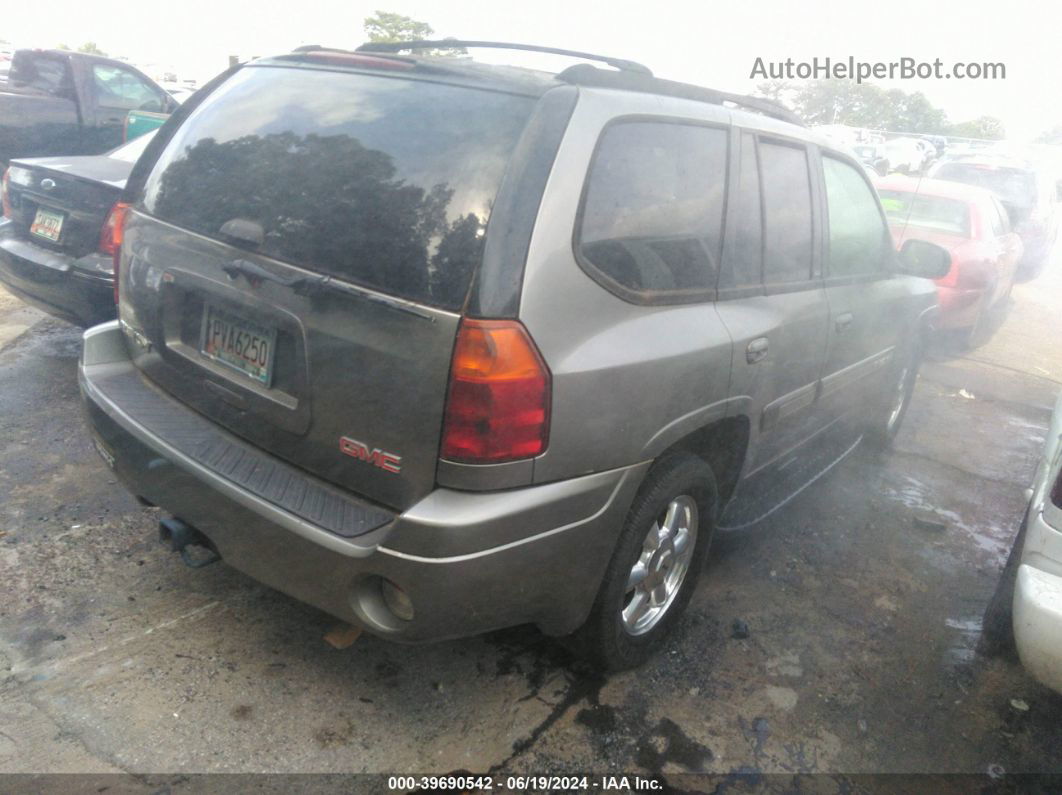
(678,493)
(887,418)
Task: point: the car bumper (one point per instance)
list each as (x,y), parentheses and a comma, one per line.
(1038,603)
(470,562)
(958,307)
(78,290)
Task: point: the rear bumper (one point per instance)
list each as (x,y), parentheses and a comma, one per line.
(78,290)
(1038,603)
(470,562)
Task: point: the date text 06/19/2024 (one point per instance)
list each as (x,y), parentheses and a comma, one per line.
(473,783)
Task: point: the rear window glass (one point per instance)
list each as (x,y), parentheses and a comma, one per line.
(45,73)
(1012,185)
(653,212)
(385,182)
(929,212)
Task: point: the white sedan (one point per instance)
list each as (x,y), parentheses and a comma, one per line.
(1038,588)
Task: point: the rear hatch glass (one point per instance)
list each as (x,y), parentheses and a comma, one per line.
(1015,187)
(384,182)
(372,189)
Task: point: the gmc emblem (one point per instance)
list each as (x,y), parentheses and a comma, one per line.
(388,462)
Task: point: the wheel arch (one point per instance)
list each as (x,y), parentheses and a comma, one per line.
(722,444)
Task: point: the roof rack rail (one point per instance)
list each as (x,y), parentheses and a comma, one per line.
(586,75)
(393,47)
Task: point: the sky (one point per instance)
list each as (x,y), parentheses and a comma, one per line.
(708,42)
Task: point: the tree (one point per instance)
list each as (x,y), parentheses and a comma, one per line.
(775,90)
(988,127)
(868,105)
(90,48)
(387,27)
(1052,136)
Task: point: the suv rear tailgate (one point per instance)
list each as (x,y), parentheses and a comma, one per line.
(297,263)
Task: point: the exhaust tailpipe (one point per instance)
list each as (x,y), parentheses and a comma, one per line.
(179,536)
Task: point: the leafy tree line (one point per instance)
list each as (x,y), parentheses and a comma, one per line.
(868,105)
(89,47)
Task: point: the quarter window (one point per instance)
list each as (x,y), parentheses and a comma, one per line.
(857,232)
(787,213)
(653,212)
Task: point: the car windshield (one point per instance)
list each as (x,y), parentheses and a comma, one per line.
(1013,185)
(337,170)
(929,212)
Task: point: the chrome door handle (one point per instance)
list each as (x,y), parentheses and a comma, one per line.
(757,350)
(843,321)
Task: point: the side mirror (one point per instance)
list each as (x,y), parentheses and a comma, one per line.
(925,259)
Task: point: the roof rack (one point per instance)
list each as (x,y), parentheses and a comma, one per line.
(622,64)
(586,75)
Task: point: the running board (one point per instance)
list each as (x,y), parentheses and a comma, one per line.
(771,489)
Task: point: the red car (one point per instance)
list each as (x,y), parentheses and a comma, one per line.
(974,227)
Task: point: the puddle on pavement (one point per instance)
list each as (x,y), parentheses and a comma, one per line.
(992,539)
(960,655)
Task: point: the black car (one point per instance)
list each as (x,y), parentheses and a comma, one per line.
(56,242)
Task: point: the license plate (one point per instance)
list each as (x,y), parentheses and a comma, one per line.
(239,343)
(47,224)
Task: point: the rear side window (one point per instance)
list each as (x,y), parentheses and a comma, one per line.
(1001,224)
(386,182)
(787,213)
(653,210)
(857,232)
(47,74)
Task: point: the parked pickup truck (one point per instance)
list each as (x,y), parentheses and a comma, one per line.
(57,102)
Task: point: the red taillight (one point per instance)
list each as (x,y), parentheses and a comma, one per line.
(498,403)
(111,238)
(9,211)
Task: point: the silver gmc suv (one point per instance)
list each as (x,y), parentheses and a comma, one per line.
(442,347)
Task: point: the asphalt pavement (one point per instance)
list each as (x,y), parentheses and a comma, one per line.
(862,599)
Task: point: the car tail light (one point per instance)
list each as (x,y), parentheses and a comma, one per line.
(111,238)
(9,211)
(498,404)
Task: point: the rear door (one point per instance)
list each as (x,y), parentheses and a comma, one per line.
(296,266)
(865,298)
(771,296)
